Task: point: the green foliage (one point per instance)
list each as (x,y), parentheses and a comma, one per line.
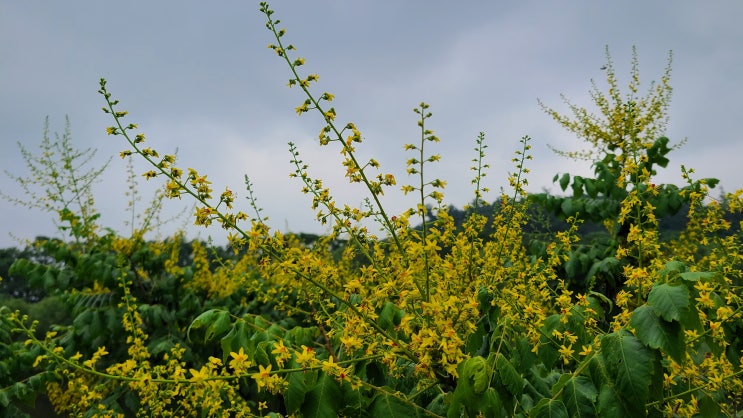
(12,285)
(324,400)
(627,150)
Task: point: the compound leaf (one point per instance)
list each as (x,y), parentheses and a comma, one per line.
(669,301)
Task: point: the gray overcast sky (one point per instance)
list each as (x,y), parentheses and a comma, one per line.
(197,77)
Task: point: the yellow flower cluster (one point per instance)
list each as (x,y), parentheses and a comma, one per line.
(423,299)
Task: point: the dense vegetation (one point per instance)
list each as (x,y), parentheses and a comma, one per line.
(531,305)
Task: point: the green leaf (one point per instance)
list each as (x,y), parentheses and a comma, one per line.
(547,351)
(549,408)
(691,321)
(298,336)
(708,407)
(476,369)
(19,390)
(260,354)
(37,381)
(220,324)
(296,392)
(577,186)
(579,395)
(611,405)
(438,405)
(473,380)
(508,375)
(603,298)
(672,267)
(557,387)
(491,404)
(656,153)
(669,301)
(630,365)
(477,342)
(49,279)
(657,333)
(711,182)
(237,338)
(4,398)
(605,266)
(591,189)
(324,400)
(538,382)
(571,206)
(388,317)
(387,405)
(354,401)
(695,276)
(564,181)
(200,321)
(81,322)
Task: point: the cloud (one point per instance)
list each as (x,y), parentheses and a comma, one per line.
(198,77)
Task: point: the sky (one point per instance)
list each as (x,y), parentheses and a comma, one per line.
(198,79)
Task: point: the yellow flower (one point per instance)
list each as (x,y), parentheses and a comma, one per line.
(280,348)
(329,366)
(705,300)
(240,361)
(281,351)
(704,286)
(691,335)
(352,342)
(571,337)
(214,362)
(715,327)
(198,375)
(668,380)
(38,360)
(263,377)
(724,312)
(567,353)
(564,299)
(301,109)
(306,358)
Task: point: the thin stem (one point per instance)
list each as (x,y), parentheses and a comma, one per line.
(227,222)
(347,148)
(422,209)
